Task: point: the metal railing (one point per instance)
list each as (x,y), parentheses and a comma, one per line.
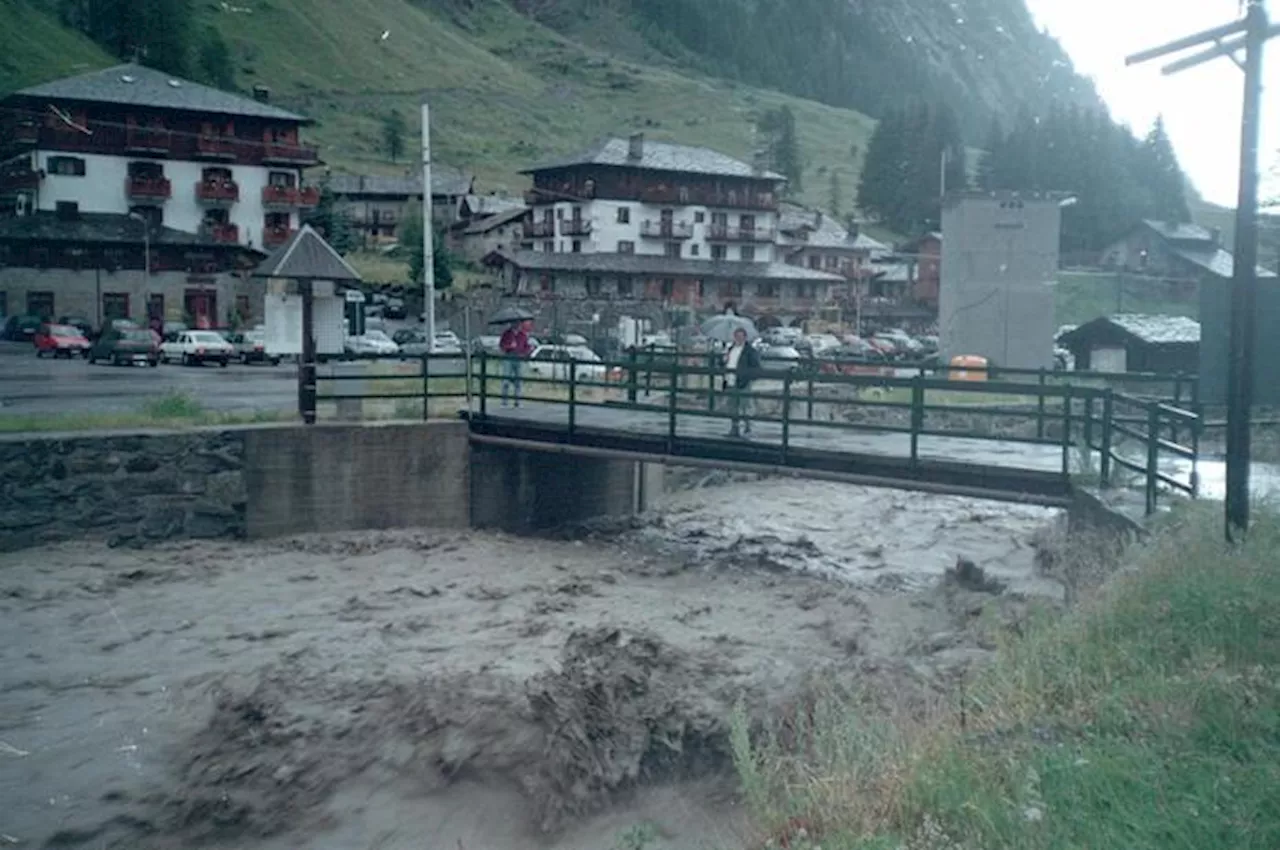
(1082,422)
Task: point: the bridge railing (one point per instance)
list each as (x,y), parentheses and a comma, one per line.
(1153,438)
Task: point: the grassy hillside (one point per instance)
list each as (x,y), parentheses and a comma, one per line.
(34,47)
(505,91)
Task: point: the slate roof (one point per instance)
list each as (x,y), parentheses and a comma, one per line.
(1155,330)
(658,266)
(1217,261)
(824,231)
(1180,231)
(306,256)
(660,156)
(489,222)
(99,227)
(482,205)
(445,182)
(136,85)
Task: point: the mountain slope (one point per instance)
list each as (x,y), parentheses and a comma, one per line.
(34,47)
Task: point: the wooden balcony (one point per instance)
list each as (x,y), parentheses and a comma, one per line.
(215,147)
(539,229)
(278,154)
(16,179)
(308,196)
(728,233)
(274,237)
(290,196)
(575,227)
(223,234)
(147,188)
(217,193)
(22,133)
(666,230)
(147,140)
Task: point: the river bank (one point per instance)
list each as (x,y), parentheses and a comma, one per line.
(406,689)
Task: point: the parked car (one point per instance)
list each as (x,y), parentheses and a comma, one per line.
(21,328)
(783,336)
(125,347)
(251,347)
(819,343)
(372,342)
(487,344)
(551,362)
(61,341)
(394,309)
(780,357)
(195,348)
(412,342)
(80,323)
(449,339)
(903,342)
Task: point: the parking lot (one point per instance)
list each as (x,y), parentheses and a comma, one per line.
(29,385)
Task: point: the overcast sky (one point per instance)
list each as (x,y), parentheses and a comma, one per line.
(1201,107)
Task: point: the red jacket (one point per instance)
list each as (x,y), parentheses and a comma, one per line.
(515,342)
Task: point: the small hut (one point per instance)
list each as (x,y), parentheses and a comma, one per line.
(1134,343)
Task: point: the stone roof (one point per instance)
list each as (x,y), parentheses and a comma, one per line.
(1180,231)
(657,266)
(99,227)
(660,156)
(306,256)
(1216,261)
(489,222)
(445,182)
(1155,330)
(483,205)
(137,85)
(802,227)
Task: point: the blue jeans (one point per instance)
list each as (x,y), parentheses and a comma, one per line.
(511,381)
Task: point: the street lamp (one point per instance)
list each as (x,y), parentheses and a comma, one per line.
(146,257)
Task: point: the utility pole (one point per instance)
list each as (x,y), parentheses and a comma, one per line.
(1249,34)
(428,235)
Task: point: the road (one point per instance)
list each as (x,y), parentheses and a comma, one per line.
(29,385)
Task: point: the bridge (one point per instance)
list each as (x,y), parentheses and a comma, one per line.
(1013,435)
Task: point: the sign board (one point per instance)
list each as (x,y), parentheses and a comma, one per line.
(283,324)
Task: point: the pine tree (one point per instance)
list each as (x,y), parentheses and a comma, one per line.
(215,60)
(166,42)
(332,223)
(393,130)
(777,127)
(835,204)
(1158,168)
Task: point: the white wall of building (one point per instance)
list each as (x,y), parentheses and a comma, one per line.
(607,231)
(102,190)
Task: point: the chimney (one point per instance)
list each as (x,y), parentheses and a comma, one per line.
(635,149)
(262,94)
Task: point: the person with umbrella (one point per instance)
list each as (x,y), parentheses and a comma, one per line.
(741,365)
(515,347)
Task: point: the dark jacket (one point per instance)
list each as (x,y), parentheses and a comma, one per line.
(748,367)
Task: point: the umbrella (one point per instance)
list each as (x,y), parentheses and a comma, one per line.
(722,328)
(510,315)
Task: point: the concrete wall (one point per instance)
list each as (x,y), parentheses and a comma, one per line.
(341,478)
(77,293)
(999,264)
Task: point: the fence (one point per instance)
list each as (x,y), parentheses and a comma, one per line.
(1150,435)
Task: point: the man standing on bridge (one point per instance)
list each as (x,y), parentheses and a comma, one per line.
(515,347)
(741,365)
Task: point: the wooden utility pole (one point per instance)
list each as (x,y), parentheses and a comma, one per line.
(1249,34)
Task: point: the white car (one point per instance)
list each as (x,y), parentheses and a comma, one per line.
(371,343)
(551,362)
(448,340)
(819,343)
(194,348)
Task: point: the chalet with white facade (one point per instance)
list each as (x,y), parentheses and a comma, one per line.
(101,167)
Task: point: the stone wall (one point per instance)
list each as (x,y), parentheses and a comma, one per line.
(128,488)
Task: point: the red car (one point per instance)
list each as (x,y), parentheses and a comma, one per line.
(61,341)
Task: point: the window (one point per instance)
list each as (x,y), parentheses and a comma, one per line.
(577,213)
(731,290)
(668,287)
(748,253)
(702,289)
(40,304)
(719,252)
(66,166)
(577,246)
(624,215)
(561,246)
(593,287)
(767,290)
(626,246)
(815,262)
(672,249)
(279,178)
(547,283)
(4,261)
(699,217)
(695,249)
(747,222)
(548,247)
(683,194)
(243,310)
(115,305)
(719,219)
(560,213)
(155,307)
(624,287)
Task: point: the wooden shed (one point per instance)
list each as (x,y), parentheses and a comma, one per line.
(1134,343)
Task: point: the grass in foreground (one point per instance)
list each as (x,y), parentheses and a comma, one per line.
(1147,718)
(172,410)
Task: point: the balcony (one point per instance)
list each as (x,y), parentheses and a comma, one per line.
(308,196)
(666,230)
(275,236)
(147,188)
(23,133)
(215,147)
(290,196)
(538,229)
(575,227)
(726,233)
(16,179)
(147,140)
(274,153)
(217,193)
(223,234)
